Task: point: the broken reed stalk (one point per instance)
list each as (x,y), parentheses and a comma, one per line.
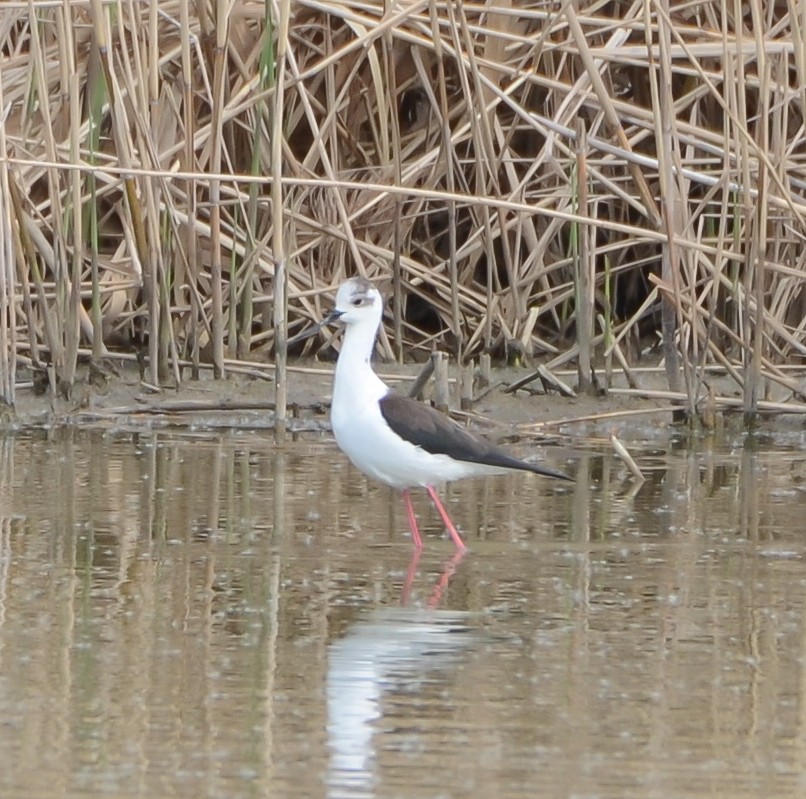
(624,454)
(57,253)
(446,155)
(132,197)
(96,95)
(397,164)
(75,210)
(8,305)
(756,267)
(745,230)
(442,396)
(186,267)
(584,268)
(466,386)
(278,223)
(261,117)
(670,201)
(220,65)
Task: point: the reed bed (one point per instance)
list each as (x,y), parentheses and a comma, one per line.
(570,182)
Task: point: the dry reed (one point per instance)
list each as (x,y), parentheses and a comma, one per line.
(173,173)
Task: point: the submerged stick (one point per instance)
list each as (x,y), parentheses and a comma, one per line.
(623,453)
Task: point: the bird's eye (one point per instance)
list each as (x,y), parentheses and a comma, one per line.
(358,302)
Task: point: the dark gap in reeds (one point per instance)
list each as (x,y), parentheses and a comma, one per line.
(567,182)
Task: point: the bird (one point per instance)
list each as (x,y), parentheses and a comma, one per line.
(395,439)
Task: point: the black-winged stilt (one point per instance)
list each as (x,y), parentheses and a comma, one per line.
(394,439)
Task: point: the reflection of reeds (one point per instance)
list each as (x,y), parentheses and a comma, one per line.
(440,147)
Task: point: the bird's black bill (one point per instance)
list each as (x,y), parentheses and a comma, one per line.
(332,316)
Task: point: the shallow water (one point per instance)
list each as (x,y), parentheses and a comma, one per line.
(202,615)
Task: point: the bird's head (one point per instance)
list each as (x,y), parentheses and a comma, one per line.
(357,302)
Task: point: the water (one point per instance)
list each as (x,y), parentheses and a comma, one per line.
(199,615)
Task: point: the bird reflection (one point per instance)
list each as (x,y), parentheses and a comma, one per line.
(394,653)
(448,570)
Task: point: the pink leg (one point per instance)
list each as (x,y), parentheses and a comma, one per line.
(457,539)
(415,533)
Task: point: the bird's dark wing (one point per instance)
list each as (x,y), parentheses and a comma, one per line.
(437,434)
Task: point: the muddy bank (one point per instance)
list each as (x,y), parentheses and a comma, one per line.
(245,399)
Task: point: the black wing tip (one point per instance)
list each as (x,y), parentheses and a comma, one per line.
(542,470)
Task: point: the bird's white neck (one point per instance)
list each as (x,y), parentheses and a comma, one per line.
(354,373)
